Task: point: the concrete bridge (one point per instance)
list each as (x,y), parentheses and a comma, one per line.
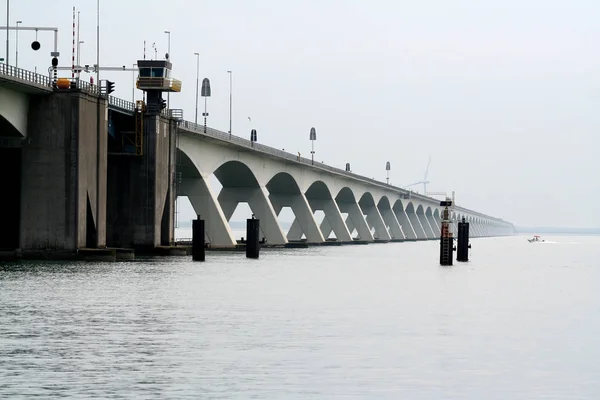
(90,171)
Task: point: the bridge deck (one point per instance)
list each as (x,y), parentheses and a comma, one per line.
(31,82)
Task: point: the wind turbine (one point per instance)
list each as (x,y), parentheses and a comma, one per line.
(424,181)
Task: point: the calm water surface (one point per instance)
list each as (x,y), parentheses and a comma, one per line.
(519,321)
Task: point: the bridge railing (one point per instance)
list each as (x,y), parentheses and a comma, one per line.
(24,75)
(120,103)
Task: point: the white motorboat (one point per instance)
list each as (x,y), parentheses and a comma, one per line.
(536,239)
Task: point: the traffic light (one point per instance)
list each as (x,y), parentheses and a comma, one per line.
(163,104)
(110,87)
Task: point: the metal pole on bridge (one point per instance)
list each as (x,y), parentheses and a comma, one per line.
(7,31)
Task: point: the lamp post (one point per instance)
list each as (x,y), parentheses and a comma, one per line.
(168,59)
(230,97)
(133,86)
(197,82)
(387,169)
(17,46)
(313,137)
(7,31)
(205,92)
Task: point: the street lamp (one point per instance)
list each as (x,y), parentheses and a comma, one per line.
(205,92)
(387,169)
(168,57)
(197,80)
(7,31)
(230,75)
(17,46)
(313,137)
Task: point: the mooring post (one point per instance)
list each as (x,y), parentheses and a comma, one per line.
(198,248)
(446,239)
(463,246)
(252,237)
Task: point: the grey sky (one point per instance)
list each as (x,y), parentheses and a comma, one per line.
(503,95)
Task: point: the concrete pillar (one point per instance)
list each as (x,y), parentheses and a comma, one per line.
(434,227)
(217,230)
(425,224)
(304,216)
(63,180)
(333,216)
(358,219)
(416,224)
(295,232)
(257,199)
(141,188)
(405,224)
(390,220)
(375,220)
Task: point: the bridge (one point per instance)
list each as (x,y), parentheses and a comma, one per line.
(89,170)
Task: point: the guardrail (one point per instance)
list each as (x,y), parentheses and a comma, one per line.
(25,76)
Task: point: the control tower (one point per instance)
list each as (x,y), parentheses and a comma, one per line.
(154,78)
(141,185)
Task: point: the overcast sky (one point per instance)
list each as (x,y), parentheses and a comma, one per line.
(503,95)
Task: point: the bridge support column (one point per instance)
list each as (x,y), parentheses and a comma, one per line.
(390,219)
(257,199)
(375,220)
(295,232)
(434,227)
(416,224)
(425,224)
(305,222)
(355,214)
(204,201)
(333,218)
(141,189)
(63,184)
(405,225)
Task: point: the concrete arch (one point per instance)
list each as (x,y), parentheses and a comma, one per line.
(389,218)
(415,221)
(319,197)
(204,201)
(373,217)
(405,223)
(285,192)
(14,107)
(347,204)
(424,222)
(432,221)
(240,185)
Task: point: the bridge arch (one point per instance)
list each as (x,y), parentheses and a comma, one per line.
(373,217)
(319,198)
(284,192)
(14,108)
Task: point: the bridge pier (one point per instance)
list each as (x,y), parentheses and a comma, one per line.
(141,190)
(333,217)
(391,221)
(63,185)
(405,225)
(257,199)
(205,203)
(374,220)
(305,222)
(424,223)
(434,226)
(355,215)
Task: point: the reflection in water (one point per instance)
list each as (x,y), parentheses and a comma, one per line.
(379,321)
